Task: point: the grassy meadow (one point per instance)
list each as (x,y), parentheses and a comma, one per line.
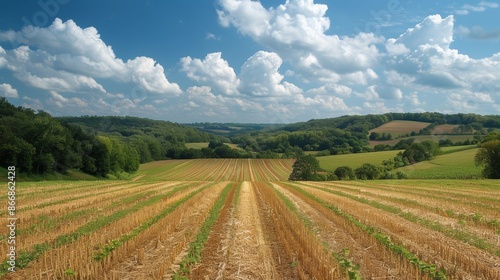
(457,165)
(330,163)
(456,162)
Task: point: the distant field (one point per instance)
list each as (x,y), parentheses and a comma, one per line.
(458,165)
(200,145)
(457,162)
(400,127)
(330,163)
(421,138)
(444,129)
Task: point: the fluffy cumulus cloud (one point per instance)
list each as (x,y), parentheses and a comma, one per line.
(213,71)
(300,71)
(260,76)
(259,89)
(66,57)
(296,32)
(61,101)
(429,64)
(6,90)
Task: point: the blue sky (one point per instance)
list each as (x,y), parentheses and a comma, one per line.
(250,61)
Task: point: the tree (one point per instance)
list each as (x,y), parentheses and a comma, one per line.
(489,156)
(417,152)
(305,168)
(344,173)
(367,171)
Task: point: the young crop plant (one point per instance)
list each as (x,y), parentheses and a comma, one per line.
(351,269)
(194,253)
(430,269)
(115,243)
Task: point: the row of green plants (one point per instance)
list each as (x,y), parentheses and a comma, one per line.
(476,218)
(115,243)
(430,269)
(196,247)
(27,256)
(350,268)
(455,233)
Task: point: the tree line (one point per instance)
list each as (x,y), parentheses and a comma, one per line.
(37,143)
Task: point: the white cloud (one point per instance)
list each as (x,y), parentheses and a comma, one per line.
(480,7)
(7,90)
(414,100)
(145,72)
(329,89)
(212,71)
(433,30)
(64,56)
(61,101)
(296,32)
(370,94)
(260,76)
(211,36)
(431,63)
(478,33)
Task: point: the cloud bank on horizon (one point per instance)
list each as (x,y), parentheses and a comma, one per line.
(301,71)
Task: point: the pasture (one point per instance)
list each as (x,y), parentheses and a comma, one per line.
(241,218)
(456,165)
(330,163)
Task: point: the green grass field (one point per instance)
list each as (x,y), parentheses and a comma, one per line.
(420,138)
(330,163)
(457,165)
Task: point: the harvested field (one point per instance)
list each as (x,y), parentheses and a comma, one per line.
(242,219)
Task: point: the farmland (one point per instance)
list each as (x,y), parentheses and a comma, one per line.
(400,127)
(330,163)
(241,218)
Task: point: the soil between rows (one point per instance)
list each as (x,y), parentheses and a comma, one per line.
(461,260)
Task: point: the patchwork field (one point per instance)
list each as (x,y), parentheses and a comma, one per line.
(242,219)
(397,128)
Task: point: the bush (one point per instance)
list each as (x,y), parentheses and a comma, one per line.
(401,175)
(344,173)
(305,168)
(367,171)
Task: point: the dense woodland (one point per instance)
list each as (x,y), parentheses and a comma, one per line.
(38,143)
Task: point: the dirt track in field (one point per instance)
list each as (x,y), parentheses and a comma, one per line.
(238,247)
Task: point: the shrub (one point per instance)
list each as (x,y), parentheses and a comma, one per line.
(344,173)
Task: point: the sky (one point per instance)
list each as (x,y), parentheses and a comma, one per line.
(246,61)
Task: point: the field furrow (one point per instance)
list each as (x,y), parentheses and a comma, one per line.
(458,258)
(243,219)
(375,261)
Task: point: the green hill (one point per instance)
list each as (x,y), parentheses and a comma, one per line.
(455,165)
(128,126)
